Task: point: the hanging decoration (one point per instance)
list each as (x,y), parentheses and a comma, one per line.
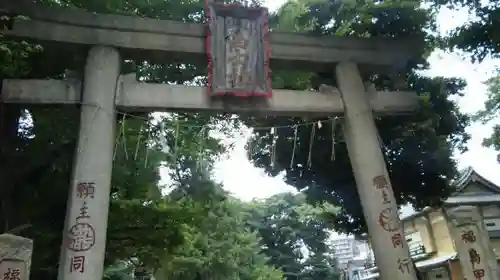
(201,152)
(201,142)
(176,140)
(273,147)
(147,148)
(295,132)
(311,142)
(124,139)
(250,146)
(138,142)
(163,139)
(334,127)
(119,137)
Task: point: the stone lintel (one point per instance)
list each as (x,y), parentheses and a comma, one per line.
(137,96)
(147,38)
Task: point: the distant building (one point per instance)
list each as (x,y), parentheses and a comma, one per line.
(429,239)
(355,269)
(347,249)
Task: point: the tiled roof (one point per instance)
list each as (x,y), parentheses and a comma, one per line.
(465,176)
(463,179)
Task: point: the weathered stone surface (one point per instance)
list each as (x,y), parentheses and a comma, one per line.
(163,39)
(238,51)
(372,178)
(472,243)
(136,96)
(15,257)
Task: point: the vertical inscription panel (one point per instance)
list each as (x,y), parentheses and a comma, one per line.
(238,51)
(15,257)
(472,243)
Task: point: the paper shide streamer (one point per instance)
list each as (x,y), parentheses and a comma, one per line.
(252,142)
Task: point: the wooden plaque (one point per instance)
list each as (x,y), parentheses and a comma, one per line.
(238,50)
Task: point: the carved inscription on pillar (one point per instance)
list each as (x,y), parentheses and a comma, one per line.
(389,221)
(472,242)
(388,218)
(81,234)
(238,50)
(15,257)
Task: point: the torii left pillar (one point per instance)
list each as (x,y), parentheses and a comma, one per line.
(84,236)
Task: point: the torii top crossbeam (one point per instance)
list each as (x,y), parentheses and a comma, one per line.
(165,40)
(162,40)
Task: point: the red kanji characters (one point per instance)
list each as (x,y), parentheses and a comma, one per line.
(397,240)
(81,237)
(85,190)
(469,236)
(475,258)
(389,220)
(380,182)
(77,264)
(404,265)
(12,274)
(479,274)
(385,197)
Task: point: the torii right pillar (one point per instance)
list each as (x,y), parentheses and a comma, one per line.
(372,179)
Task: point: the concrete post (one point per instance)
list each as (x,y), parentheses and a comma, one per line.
(472,243)
(82,253)
(372,180)
(15,257)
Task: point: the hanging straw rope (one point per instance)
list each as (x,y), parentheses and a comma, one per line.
(179,124)
(295,132)
(311,142)
(138,142)
(334,126)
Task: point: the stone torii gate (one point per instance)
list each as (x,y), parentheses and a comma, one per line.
(112,38)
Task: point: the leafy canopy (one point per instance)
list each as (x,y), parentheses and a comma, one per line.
(417,148)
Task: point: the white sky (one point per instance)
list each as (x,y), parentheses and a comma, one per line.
(247,182)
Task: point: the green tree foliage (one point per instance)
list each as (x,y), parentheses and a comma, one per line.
(481,36)
(218,244)
(37,148)
(147,231)
(491,110)
(196,232)
(294,236)
(417,148)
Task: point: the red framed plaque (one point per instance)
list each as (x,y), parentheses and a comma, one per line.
(238,50)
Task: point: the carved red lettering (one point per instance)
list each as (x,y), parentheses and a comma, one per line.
(469,236)
(85,190)
(385,197)
(397,240)
(380,182)
(83,212)
(12,274)
(404,265)
(479,274)
(389,220)
(77,264)
(81,236)
(474,257)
